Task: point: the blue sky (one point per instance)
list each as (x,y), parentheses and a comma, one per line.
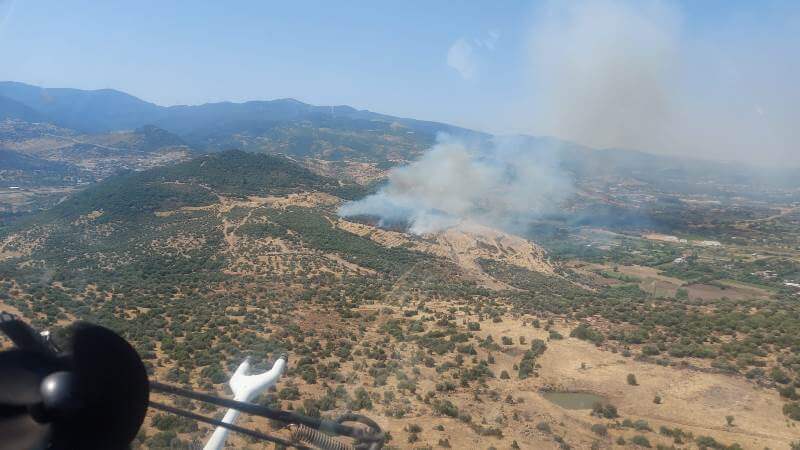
(386,57)
(469,63)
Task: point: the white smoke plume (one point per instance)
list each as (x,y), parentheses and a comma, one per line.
(502,184)
(608,74)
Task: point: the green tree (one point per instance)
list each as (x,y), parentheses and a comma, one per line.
(641,441)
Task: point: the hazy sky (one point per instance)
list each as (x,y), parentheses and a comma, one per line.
(716,78)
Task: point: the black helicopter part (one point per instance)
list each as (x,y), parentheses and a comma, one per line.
(94,394)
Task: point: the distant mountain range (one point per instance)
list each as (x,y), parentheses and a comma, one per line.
(106,110)
(285,125)
(107,121)
(12,109)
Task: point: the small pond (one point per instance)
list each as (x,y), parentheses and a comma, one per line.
(573,400)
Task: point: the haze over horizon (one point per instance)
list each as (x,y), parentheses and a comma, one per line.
(714,81)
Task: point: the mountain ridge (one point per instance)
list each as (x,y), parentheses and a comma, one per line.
(343,134)
(46,101)
(12,109)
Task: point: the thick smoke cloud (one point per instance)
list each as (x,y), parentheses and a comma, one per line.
(610,74)
(642,75)
(503,183)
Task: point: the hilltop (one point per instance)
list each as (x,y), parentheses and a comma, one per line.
(241,196)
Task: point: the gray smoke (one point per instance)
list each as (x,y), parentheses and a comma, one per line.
(605,71)
(613,74)
(503,184)
(637,75)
